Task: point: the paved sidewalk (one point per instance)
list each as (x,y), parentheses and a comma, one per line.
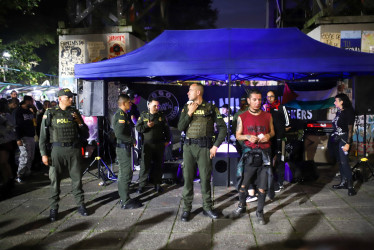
(308,214)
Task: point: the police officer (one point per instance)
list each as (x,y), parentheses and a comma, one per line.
(123,126)
(197,119)
(155,129)
(63,128)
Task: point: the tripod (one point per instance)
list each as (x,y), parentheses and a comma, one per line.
(363,165)
(103,171)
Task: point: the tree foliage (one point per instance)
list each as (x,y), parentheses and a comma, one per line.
(23,6)
(22,35)
(28,28)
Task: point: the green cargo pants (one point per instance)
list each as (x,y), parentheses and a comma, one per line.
(193,154)
(66,158)
(124,173)
(151,153)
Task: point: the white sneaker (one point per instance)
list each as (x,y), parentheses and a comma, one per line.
(137,167)
(18,180)
(251,198)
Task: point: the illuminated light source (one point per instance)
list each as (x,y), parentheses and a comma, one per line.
(6,54)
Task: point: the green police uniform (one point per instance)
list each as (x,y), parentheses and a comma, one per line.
(122,126)
(59,130)
(153,146)
(199,140)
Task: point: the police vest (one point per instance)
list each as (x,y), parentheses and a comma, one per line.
(63,127)
(202,123)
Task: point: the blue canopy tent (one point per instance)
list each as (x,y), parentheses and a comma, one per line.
(228,55)
(247,54)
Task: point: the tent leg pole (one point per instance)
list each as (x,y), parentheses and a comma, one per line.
(228,136)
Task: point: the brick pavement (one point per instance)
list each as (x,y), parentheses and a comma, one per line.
(308,215)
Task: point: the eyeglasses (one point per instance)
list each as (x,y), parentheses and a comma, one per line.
(270,96)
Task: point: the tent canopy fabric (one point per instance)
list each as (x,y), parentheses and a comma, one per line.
(246,54)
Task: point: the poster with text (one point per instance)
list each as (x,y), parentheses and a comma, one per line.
(116,46)
(94,51)
(367,44)
(71,52)
(332,39)
(350,40)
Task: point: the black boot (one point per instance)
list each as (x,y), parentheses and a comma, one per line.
(243,193)
(261,202)
(351,189)
(53,214)
(241,208)
(341,185)
(260,208)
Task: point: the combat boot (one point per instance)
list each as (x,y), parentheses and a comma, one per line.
(131,204)
(82,210)
(240,209)
(53,215)
(341,185)
(158,188)
(260,218)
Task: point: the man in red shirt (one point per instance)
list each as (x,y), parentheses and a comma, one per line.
(255,128)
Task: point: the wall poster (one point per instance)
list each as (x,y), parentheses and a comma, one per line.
(71,52)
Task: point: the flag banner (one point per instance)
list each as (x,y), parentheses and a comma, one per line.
(310,96)
(311,105)
(316,95)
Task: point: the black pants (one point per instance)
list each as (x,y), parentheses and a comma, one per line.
(151,153)
(336,149)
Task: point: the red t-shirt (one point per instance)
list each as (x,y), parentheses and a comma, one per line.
(255,125)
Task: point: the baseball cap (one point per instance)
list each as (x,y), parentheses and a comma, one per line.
(66,92)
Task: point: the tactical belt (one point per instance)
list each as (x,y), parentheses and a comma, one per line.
(203,142)
(65,144)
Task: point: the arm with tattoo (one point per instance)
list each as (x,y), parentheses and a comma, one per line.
(239,133)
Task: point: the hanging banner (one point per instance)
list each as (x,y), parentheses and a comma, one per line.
(174,97)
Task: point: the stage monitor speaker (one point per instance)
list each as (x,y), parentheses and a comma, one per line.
(363,89)
(94,98)
(221,164)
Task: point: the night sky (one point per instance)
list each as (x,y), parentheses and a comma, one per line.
(240,13)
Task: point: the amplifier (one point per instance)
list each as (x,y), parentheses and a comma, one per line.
(317,127)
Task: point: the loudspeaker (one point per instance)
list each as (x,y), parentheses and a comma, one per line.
(224,169)
(363,89)
(94,98)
